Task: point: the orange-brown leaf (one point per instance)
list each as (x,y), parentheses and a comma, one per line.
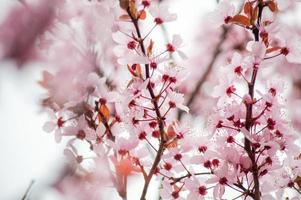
(135,70)
(270,50)
(298,181)
(124,4)
(124,18)
(125,167)
(142,14)
(138,70)
(241,19)
(150,48)
(104,112)
(248,9)
(133,9)
(171,133)
(172,144)
(254,16)
(273,6)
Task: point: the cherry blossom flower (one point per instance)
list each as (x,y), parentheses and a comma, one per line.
(292,50)
(81,130)
(177,100)
(258,50)
(168,192)
(223,177)
(58,119)
(197,189)
(161,14)
(223,13)
(237,65)
(174,46)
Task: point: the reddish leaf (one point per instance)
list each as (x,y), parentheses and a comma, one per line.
(125,167)
(124,18)
(298,181)
(172,144)
(240,19)
(133,9)
(273,6)
(270,50)
(124,4)
(150,48)
(248,9)
(104,112)
(254,16)
(142,14)
(171,133)
(135,70)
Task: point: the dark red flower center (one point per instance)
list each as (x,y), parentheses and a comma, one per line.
(81,134)
(131,45)
(202,190)
(227,19)
(178,156)
(284,51)
(170,47)
(158,20)
(223,181)
(202,149)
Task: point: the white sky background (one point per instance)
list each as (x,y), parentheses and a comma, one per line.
(26,152)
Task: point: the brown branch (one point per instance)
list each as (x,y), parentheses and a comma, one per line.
(246,191)
(175,180)
(249,118)
(205,75)
(157,111)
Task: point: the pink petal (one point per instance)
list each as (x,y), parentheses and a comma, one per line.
(218,191)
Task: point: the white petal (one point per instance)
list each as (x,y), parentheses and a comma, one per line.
(170,17)
(182,55)
(58,136)
(120,38)
(49,126)
(177,41)
(182,107)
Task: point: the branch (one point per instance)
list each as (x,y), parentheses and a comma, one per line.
(28,190)
(249,109)
(157,111)
(209,68)
(175,180)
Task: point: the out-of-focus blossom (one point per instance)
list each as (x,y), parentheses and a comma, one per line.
(22,27)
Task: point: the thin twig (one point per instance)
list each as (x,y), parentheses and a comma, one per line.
(28,190)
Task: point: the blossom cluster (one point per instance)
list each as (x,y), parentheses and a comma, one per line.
(115,94)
